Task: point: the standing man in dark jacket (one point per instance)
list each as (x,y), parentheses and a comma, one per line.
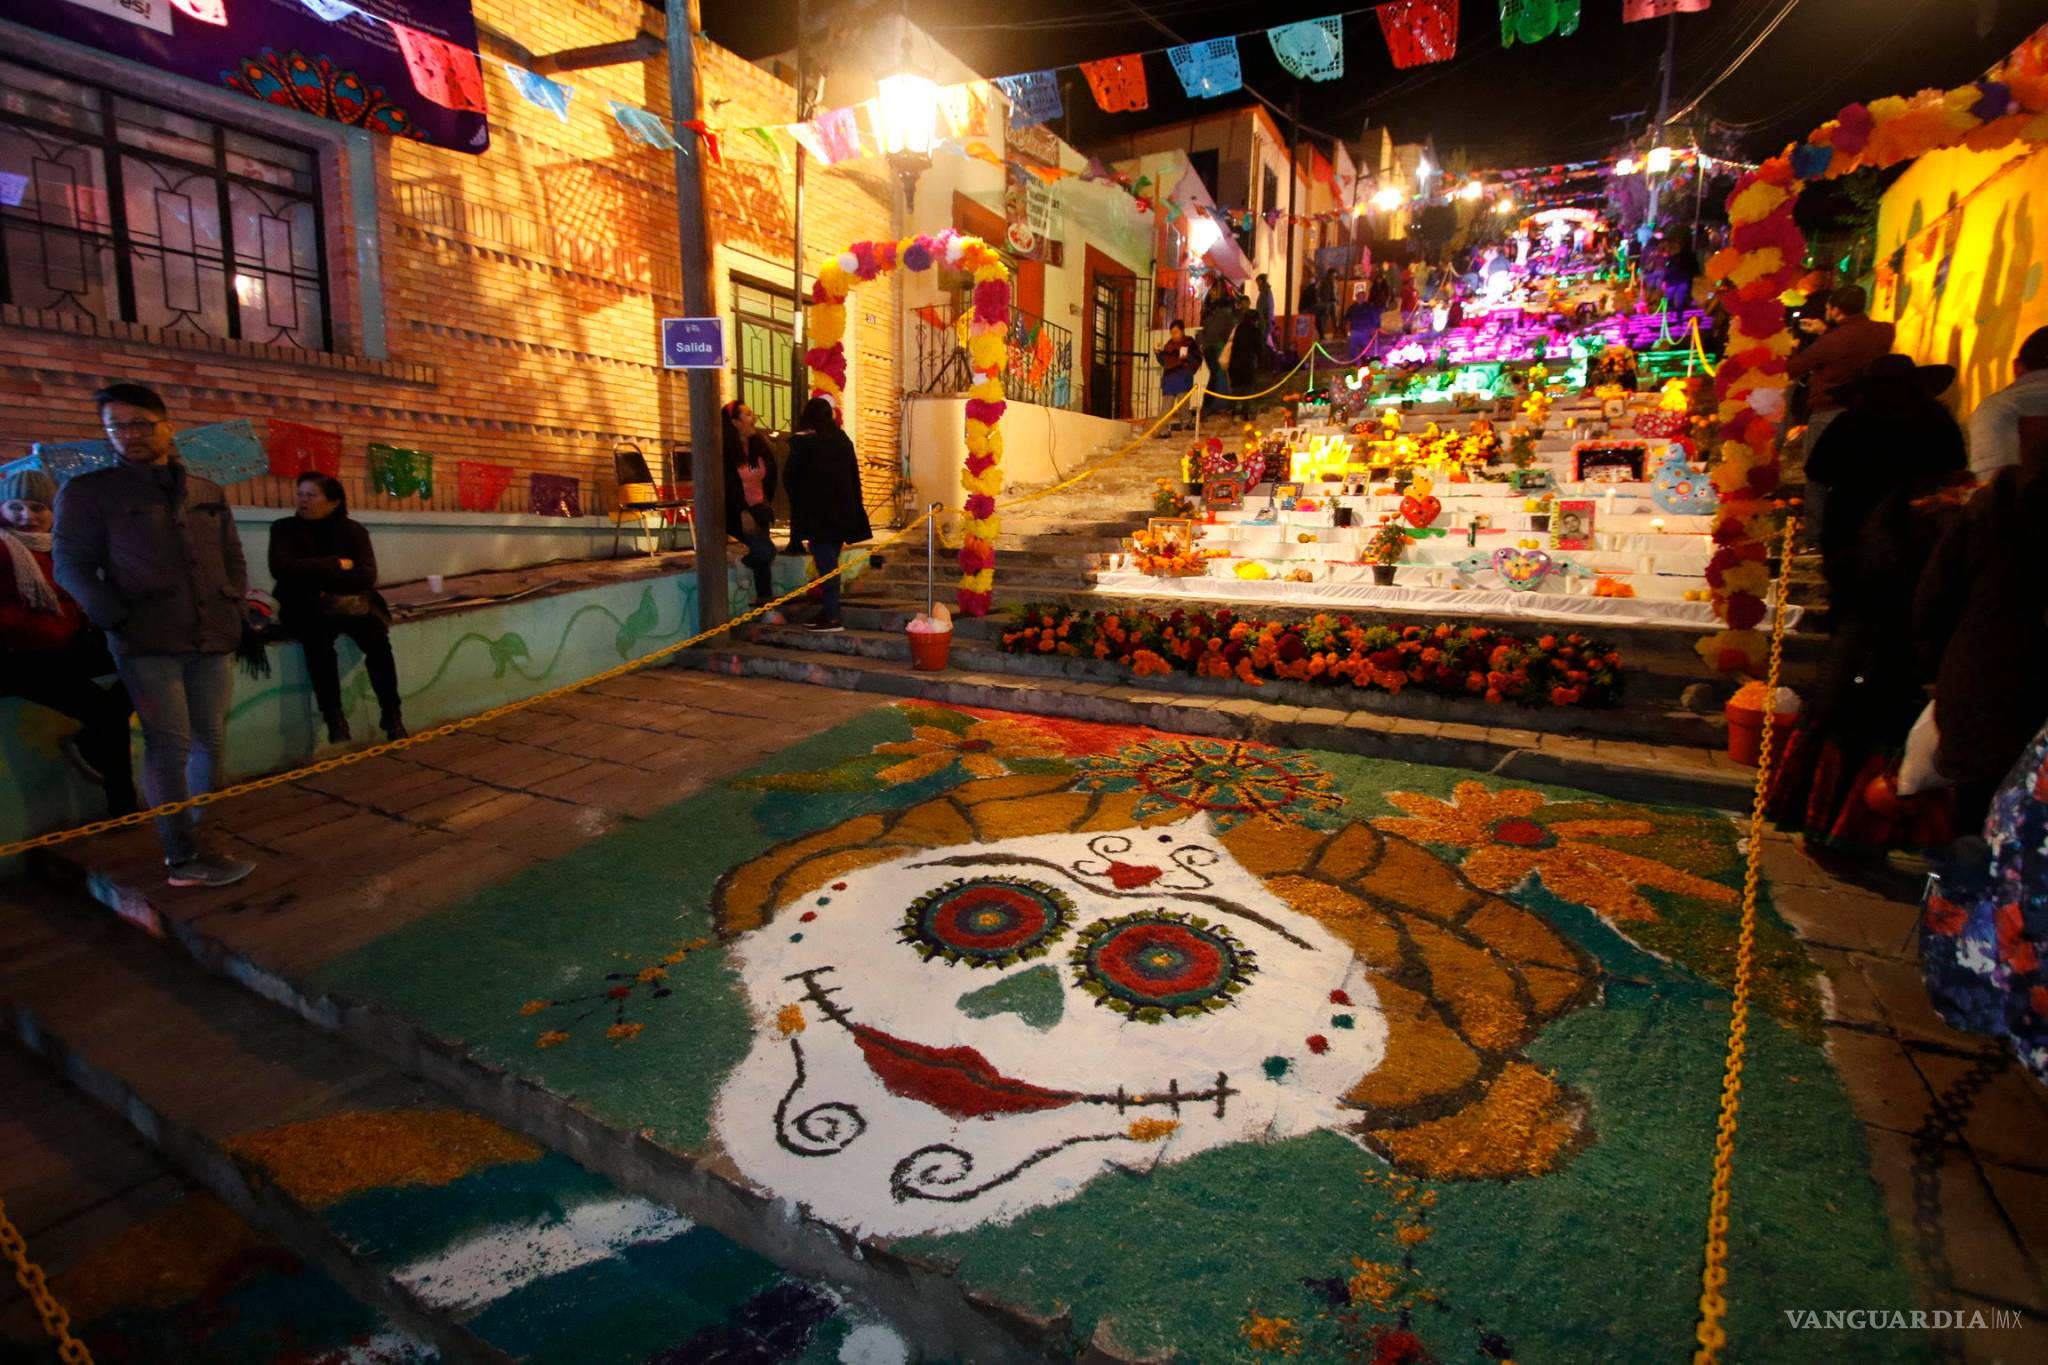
(825,507)
(149,549)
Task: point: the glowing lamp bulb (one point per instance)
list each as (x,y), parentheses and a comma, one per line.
(907,105)
(1625,166)
(1203,233)
(1471,190)
(1658,161)
(1387,199)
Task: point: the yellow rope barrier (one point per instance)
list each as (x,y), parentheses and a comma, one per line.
(1711,1335)
(30,1277)
(65,836)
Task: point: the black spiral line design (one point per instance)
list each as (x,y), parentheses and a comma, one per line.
(823,1129)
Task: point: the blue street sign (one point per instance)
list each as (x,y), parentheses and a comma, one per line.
(693,343)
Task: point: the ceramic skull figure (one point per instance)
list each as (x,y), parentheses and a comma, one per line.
(961,1034)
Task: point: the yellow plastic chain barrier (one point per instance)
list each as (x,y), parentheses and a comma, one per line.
(29,1276)
(1711,1335)
(65,836)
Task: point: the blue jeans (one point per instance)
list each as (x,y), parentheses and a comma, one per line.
(826,552)
(760,557)
(182,702)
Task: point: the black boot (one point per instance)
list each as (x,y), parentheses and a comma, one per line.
(337,727)
(394,726)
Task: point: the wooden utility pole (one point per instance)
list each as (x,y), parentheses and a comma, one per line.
(707,457)
(1663,111)
(1288,300)
(799,373)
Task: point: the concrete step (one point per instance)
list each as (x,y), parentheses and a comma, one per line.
(464,1234)
(143,1259)
(1607,764)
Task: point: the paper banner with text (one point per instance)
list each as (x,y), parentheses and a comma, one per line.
(226,452)
(479,485)
(294,449)
(205,11)
(401,472)
(553,495)
(1420,31)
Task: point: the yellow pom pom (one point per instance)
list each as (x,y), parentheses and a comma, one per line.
(986,353)
(1756,203)
(985,581)
(989,389)
(1757,264)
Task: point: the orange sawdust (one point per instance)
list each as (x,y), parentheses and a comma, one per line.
(554,1037)
(164,1260)
(1374,1283)
(1520,1127)
(1151,1130)
(790,1019)
(1271,1334)
(620,1033)
(324,1160)
(647,974)
(533,1007)
(1412,1234)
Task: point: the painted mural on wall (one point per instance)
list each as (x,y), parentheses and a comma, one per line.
(1094,1014)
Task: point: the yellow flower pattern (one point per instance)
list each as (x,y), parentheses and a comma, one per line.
(984,749)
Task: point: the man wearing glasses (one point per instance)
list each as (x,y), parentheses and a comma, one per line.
(149,549)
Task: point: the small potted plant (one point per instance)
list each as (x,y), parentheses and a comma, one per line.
(1385,549)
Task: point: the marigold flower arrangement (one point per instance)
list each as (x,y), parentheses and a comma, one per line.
(1167,557)
(1763,262)
(1470,662)
(1388,543)
(988,347)
(1169,501)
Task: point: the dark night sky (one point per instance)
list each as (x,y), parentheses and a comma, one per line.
(1548,102)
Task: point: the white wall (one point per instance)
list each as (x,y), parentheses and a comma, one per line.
(1040,445)
(411,545)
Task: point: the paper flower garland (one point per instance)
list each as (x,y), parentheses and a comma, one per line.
(988,353)
(1763,261)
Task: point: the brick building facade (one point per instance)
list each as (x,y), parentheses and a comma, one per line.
(500,307)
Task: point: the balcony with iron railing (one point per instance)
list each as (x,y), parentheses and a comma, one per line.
(1041,365)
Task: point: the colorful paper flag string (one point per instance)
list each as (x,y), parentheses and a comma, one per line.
(553,495)
(213,12)
(1207,69)
(226,452)
(642,126)
(66,460)
(1635,11)
(443,72)
(1312,50)
(1118,83)
(964,110)
(333,11)
(832,137)
(552,96)
(1034,97)
(479,485)
(296,449)
(400,472)
(1420,31)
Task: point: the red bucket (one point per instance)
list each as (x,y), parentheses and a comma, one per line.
(1746,732)
(929,649)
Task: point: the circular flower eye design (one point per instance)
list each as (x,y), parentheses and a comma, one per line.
(1160,965)
(987,921)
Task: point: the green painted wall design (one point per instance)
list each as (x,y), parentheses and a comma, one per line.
(1595,1256)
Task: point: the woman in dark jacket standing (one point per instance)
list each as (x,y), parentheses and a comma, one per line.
(825,508)
(750,498)
(326,576)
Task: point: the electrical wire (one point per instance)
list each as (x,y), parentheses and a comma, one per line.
(1733,66)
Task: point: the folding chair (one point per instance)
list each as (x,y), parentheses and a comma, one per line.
(639,496)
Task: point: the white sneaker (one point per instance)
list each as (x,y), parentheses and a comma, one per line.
(208,870)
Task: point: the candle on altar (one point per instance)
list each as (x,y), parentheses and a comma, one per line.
(1656,523)
(1610,502)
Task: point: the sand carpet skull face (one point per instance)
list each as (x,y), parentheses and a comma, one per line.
(976,1006)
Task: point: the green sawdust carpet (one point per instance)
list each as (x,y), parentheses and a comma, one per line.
(1240,1051)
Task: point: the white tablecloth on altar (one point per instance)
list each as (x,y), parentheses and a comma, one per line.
(1535,605)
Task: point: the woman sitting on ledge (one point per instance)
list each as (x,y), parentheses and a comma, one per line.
(326,576)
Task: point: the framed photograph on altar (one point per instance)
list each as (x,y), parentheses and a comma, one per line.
(1574,524)
(1535,479)
(1286,492)
(1180,530)
(1223,495)
(1609,461)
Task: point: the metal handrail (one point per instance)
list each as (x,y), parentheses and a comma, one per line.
(1039,371)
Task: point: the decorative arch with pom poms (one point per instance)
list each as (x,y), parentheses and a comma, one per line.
(988,354)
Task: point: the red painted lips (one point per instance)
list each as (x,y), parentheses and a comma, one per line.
(956,1081)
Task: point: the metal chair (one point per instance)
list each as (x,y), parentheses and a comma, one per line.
(640,496)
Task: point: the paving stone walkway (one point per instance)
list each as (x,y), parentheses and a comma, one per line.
(346,858)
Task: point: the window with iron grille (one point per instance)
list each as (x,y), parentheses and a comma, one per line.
(122,210)
(764,319)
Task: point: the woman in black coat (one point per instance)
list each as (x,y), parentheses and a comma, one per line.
(826,511)
(326,576)
(750,498)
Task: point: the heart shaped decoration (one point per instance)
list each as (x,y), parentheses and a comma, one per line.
(1521,569)
(1130,876)
(1421,511)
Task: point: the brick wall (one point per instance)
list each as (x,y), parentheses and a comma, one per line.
(521,289)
